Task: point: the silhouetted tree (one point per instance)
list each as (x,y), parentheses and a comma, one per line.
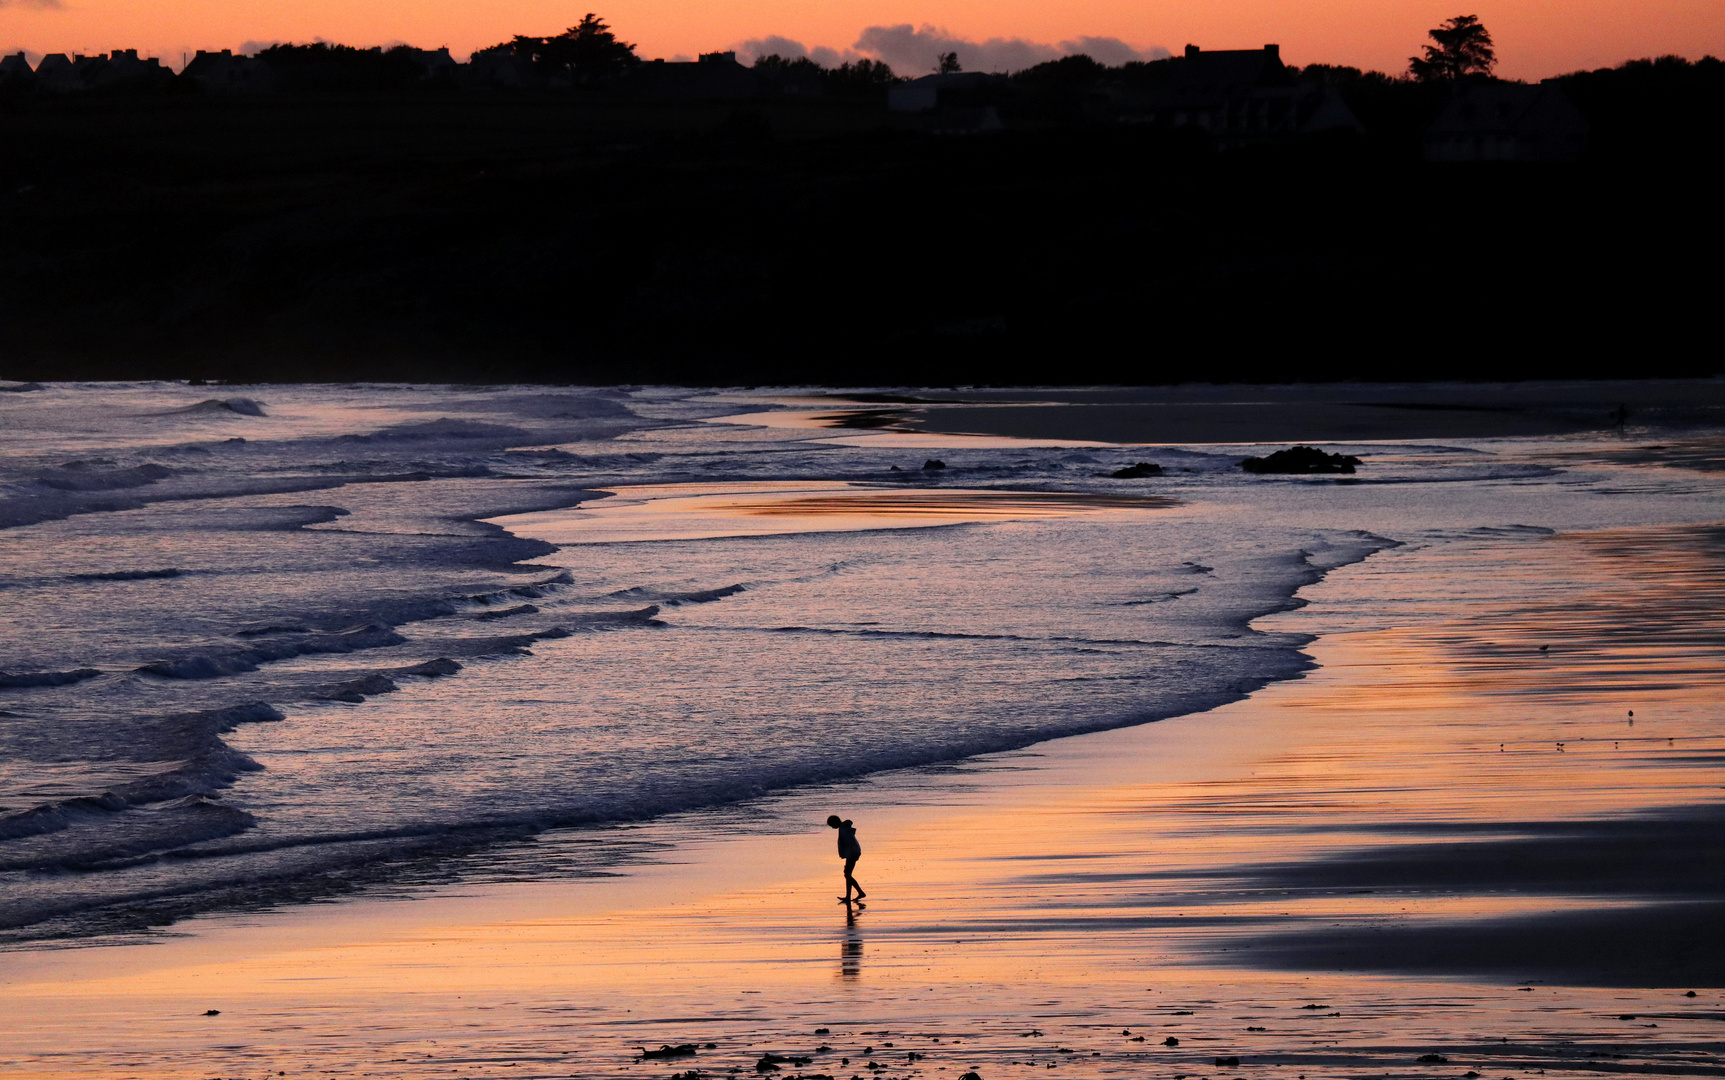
(861,78)
(1069,71)
(774,64)
(324,66)
(948,64)
(857,78)
(1145,74)
(1062,91)
(1463,48)
(800,76)
(586,52)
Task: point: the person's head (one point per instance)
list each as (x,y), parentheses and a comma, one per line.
(834,821)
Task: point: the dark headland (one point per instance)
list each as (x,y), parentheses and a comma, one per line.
(443,232)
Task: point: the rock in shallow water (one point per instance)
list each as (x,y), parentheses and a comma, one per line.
(1134,472)
(1301,460)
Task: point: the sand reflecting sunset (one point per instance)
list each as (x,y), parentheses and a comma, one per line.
(706,511)
(1319,773)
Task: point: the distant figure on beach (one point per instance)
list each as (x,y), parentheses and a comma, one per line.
(850,851)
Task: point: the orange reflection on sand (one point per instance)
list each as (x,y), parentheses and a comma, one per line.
(969,505)
(886,427)
(763,508)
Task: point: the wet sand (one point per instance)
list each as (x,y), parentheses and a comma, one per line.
(1443,841)
(757,508)
(1196,414)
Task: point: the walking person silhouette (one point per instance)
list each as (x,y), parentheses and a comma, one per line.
(850,851)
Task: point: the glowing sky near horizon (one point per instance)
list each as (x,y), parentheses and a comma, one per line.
(1535,38)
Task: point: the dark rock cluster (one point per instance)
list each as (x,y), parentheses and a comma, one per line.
(1134,472)
(1300,460)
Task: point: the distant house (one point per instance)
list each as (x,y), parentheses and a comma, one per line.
(1242,96)
(436,63)
(955,103)
(55,73)
(15,70)
(931,92)
(917,96)
(122,69)
(502,67)
(88,70)
(225,73)
(712,77)
(1498,121)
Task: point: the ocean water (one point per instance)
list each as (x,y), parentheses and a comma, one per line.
(286,642)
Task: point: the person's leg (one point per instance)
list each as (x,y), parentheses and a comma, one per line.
(850,881)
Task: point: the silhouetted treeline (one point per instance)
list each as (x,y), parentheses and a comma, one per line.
(853,78)
(1666,109)
(1652,109)
(1649,109)
(326,67)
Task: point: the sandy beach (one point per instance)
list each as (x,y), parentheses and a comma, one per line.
(1444,852)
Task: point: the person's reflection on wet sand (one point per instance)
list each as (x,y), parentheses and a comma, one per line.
(851,948)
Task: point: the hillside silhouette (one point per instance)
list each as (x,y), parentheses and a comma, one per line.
(370,214)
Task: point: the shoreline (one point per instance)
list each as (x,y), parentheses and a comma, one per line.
(1228,414)
(1077,888)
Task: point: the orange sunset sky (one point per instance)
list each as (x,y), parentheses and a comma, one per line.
(1535,38)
